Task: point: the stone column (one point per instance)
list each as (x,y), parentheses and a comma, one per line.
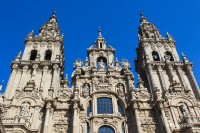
(11,80)
(178,68)
(166,125)
(24,73)
(47,116)
(161,78)
(174,117)
(55,77)
(193,81)
(35,118)
(75,118)
(137,118)
(44,76)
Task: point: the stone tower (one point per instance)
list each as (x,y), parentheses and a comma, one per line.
(174,103)
(103,98)
(37,89)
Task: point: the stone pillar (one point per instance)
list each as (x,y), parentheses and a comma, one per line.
(161,78)
(166,125)
(24,73)
(137,118)
(174,117)
(44,76)
(35,118)
(193,81)
(11,80)
(178,68)
(55,77)
(46,122)
(75,118)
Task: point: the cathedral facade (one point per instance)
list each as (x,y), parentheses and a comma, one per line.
(103,97)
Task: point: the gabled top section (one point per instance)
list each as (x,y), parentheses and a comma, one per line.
(50,31)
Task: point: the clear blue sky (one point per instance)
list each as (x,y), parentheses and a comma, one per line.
(80,19)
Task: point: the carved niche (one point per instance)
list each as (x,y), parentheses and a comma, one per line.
(120,89)
(86,89)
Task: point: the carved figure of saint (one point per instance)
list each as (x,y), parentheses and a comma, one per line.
(25,109)
(101,64)
(120,89)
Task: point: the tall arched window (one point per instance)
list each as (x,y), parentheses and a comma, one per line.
(123,128)
(155,56)
(48,54)
(120,108)
(171,58)
(33,54)
(88,128)
(89,108)
(106,129)
(104,105)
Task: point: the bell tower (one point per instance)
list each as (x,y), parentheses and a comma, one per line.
(169,79)
(36,81)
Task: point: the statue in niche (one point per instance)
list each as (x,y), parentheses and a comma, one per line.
(184,109)
(120,89)
(25,109)
(101,65)
(86,90)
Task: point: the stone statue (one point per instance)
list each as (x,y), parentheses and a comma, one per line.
(86,90)
(120,89)
(25,109)
(101,65)
(184,110)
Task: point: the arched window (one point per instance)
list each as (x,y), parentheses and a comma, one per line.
(123,128)
(104,105)
(33,55)
(120,108)
(89,108)
(171,58)
(48,54)
(101,45)
(106,129)
(155,56)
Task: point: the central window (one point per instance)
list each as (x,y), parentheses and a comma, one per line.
(104,105)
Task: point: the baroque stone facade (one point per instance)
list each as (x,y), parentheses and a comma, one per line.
(103,97)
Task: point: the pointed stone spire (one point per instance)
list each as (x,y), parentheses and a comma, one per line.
(140,83)
(50,29)
(185,59)
(18,57)
(147,30)
(142,18)
(169,37)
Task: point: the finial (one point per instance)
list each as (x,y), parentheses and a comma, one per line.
(141,14)
(99,31)
(54,12)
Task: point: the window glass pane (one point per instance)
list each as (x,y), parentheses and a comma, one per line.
(120,109)
(88,128)
(104,105)
(89,109)
(106,129)
(123,128)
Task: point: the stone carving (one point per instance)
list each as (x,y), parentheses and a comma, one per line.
(86,89)
(120,89)
(25,109)
(101,65)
